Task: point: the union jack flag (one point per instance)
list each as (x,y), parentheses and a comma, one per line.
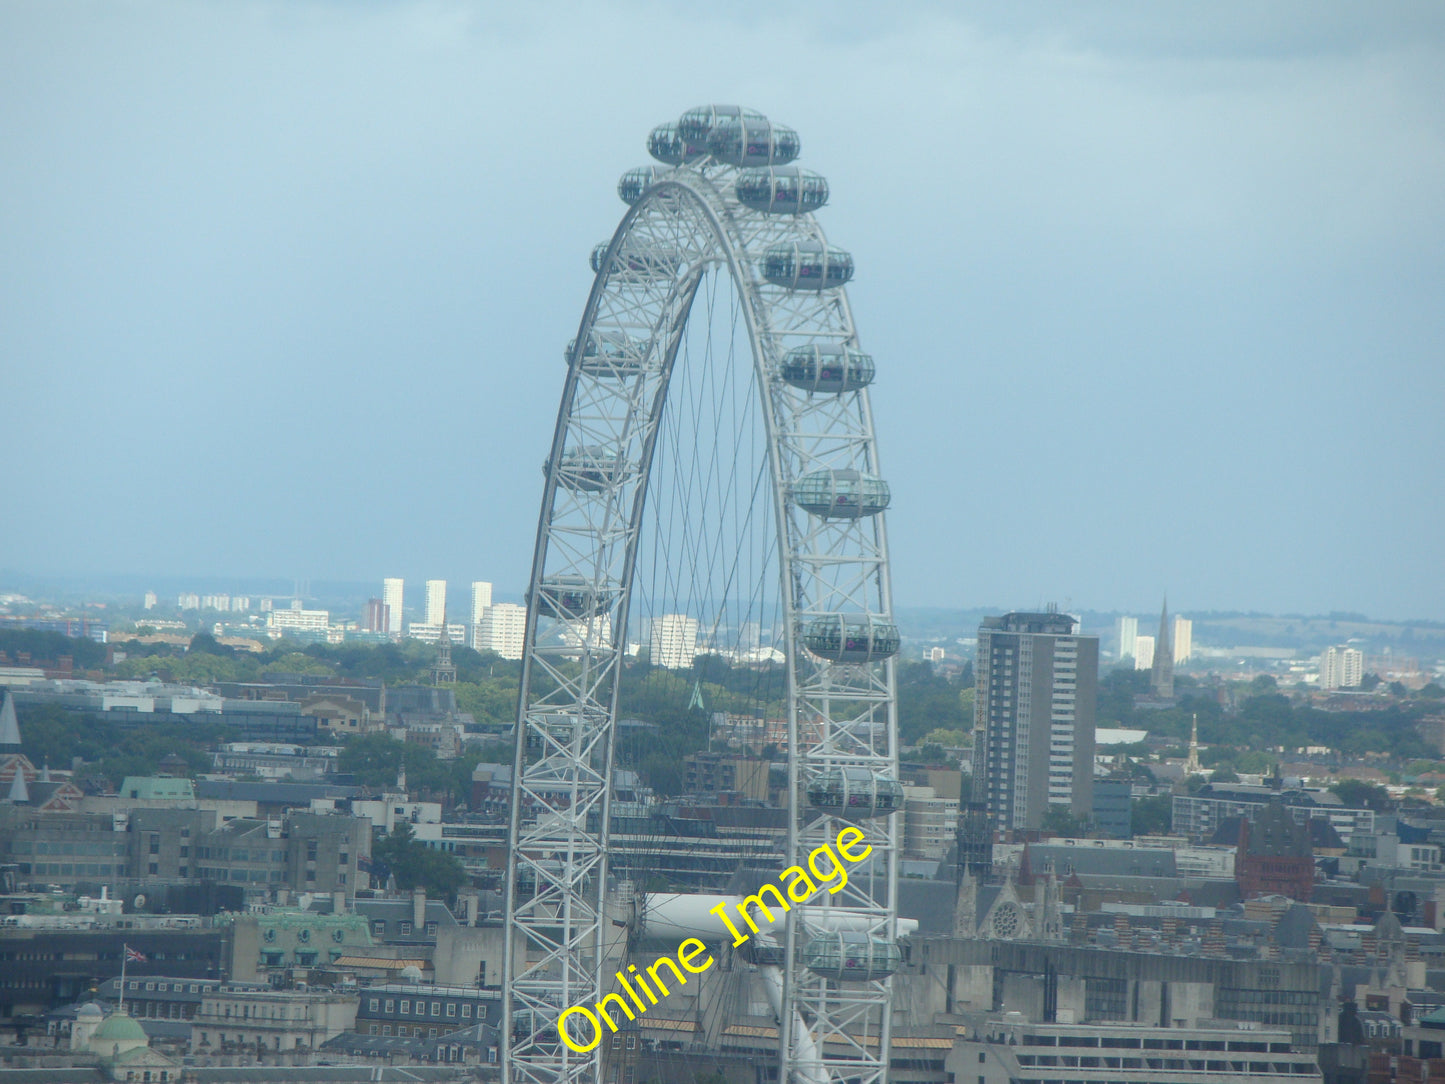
(134,957)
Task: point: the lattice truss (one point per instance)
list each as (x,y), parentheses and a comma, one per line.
(842,711)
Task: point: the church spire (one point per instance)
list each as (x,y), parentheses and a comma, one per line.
(1191,766)
(442,670)
(9,726)
(1161,678)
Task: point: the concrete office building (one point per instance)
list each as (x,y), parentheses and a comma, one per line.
(1037,685)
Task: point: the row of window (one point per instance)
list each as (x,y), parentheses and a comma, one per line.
(404,1007)
(40,846)
(1196,1065)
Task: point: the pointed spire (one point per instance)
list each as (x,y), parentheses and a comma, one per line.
(19,792)
(1192,766)
(9,726)
(442,671)
(1161,679)
(696,701)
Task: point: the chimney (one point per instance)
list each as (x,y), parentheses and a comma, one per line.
(418,909)
(471,904)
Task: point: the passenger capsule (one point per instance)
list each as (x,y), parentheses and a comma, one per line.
(841,494)
(852,639)
(740,141)
(636,181)
(650,263)
(827,368)
(847,956)
(781,190)
(612,354)
(571,598)
(696,125)
(807,265)
(666,145)
(590,469)
(855,793)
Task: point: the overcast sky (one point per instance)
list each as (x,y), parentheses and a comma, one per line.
(1156,292)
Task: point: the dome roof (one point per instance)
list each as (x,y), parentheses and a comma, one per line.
(119,1027)
(89,1009)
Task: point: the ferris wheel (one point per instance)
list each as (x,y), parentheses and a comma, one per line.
(712,491)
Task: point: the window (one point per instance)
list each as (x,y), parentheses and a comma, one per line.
(436,1008)
(390,1007)
(451,1008)
(378,928)
(405,928)
(467,1011)
(632,1042)
(404,1008)
(373,1004)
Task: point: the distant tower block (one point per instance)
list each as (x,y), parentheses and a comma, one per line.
(391,597)
(1161,679)
(481,599)
(436,601)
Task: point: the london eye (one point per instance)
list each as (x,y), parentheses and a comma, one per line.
(712,490)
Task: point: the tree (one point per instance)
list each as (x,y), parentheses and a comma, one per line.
(1153,816)
(1358,794)
(1061,822)
(415,865)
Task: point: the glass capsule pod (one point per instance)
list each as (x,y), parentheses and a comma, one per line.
(611,354)
(855,793)
(841,494)
(806,265)
(696,125)
(827,368)
(667,145)
(650,264)
(742,141)
(852,957)
(636,181)
(858,638)
(781,190)
(571,598)
(590,469)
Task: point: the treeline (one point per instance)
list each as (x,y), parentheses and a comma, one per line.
(1263,720)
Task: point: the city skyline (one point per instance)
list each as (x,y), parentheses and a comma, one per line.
(1215,233)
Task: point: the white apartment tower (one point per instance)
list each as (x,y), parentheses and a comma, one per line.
(502,630)
(1183,639)
(436,602)
(1143,652)
(1342,668)
(1036,692)
(481,599)
(1128,633)
(672,640)
(391,596)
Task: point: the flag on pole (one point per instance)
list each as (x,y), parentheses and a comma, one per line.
(134,957)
